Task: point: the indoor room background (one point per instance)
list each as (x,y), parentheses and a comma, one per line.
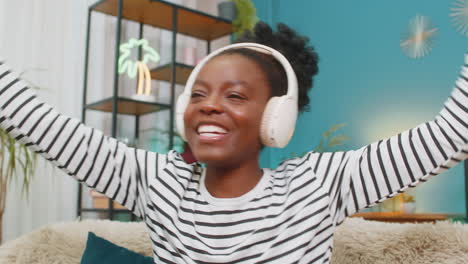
(45,40)
(365,81)
(368,83)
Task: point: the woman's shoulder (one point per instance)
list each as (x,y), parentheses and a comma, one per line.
(178,162)
(310,161)
(293,164)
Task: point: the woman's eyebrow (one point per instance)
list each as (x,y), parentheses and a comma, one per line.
(228,83)
(201,82)
(238,82)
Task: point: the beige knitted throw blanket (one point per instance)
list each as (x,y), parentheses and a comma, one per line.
(356,241)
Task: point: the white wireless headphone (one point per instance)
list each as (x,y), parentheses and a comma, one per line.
(280,115)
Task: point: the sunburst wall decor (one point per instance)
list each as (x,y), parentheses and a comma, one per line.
(418,40)
(459,16)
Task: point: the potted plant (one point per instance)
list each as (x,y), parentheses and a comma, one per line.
(16,162)
(409,204)
(242,13)
(330,140)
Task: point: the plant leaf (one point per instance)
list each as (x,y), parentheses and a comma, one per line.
(21,161)
(246,16)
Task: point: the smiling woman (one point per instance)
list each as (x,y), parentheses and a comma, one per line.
(231,93)
(231,210)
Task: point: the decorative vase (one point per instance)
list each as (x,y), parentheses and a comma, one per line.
(190,56)
(144,97)
(227,10)
(409,208)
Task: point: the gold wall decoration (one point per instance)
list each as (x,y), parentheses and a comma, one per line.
(459,16)
(418,40)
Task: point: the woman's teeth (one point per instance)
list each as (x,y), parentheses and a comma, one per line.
(210,130)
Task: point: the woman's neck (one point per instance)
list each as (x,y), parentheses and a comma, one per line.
(232,182)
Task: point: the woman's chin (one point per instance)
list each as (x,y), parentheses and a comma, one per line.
(213,157)
(210,158)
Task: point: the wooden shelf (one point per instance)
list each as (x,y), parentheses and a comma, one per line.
(127,106)
(159,14)
(101,210)
(164,73)
(401,217)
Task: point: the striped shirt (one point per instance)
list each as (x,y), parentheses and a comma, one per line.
(288,217)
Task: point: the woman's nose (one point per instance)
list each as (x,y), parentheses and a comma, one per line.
(211,106)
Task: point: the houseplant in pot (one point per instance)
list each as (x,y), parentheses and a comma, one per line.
(409,204)
(17,163)
(243,18)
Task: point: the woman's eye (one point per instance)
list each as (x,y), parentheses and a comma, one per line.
(235,96)
(195,94)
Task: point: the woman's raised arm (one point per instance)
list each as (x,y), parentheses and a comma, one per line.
(101,162)
(364,177)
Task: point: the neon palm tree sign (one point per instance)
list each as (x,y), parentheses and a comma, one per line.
(131,68)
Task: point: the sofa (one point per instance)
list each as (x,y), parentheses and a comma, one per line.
(356,241)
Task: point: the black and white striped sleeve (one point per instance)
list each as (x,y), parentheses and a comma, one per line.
(99,161)
(362,178)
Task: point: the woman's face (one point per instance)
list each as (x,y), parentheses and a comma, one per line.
(223,117)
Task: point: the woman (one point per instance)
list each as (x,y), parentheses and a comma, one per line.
(233,211)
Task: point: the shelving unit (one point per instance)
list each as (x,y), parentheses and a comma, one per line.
(159,14)
(164,72)
(127,106)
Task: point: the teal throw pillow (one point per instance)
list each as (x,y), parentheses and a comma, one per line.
(99,250)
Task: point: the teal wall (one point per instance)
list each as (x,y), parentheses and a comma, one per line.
(367,82)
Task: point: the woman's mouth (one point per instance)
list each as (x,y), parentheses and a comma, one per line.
(211,133)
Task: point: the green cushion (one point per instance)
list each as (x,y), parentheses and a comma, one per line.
(99,250)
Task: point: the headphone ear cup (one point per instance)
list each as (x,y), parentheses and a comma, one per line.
(181,106)
(267,134)
(278,121)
